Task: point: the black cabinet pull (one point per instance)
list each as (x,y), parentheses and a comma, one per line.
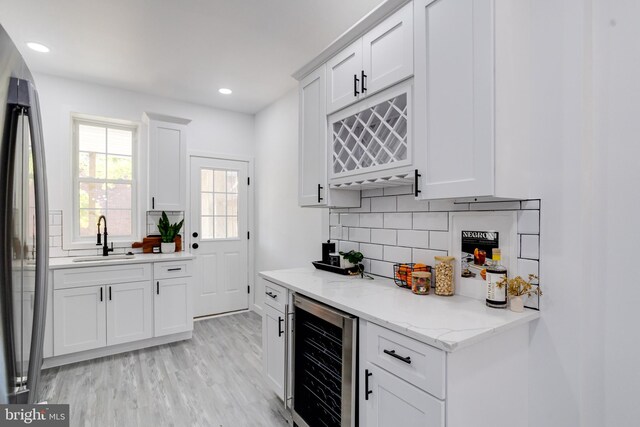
(363,76)
(157,288)
(175,269)
(109,293)
(271,294)
(392,353)
(320,187)
(153,203)
(280,330)
(100,293)
(355,85)
(416,190)
(367,374)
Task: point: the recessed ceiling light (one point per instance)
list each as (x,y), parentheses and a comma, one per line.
(38,47)
(225,91)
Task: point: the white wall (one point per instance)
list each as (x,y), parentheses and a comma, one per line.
(286,235)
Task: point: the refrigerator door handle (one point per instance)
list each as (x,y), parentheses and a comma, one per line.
(42,245)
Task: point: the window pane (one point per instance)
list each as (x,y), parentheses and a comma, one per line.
(206,180)
(88,222)
(119,196)
(232,226)
(119,222)
(220,204)
(207,227)
(119,167)
(92,165)
(92,195)
(232,181)
(206,204)
(219,181)
(120,141)
(232,204)
(220,231)
(92,138)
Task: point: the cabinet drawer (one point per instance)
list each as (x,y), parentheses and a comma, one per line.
(415,362)
(90,276)
(167,270)
(275,296)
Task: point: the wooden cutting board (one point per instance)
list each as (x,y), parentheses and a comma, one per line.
(148,243)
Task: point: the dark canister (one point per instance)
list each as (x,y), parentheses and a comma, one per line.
(327,248)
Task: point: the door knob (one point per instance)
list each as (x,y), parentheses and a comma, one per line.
(194,246)
(195,234)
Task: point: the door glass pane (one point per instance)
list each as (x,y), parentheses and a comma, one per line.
(232,226)
(219,181)
(206,207)
(232,204)
(207,227)
(220,231)
(232,181)
(219,203)
(206,180)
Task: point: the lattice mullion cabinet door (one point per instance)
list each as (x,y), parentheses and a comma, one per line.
(372,141)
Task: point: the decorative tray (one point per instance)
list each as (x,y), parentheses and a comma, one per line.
(339,270)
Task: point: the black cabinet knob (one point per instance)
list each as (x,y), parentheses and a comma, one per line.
(194,246)
(195,234)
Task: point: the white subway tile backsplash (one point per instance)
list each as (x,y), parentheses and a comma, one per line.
(349,220)
(359,234)
(439,240)
(372,220)
(384,237)
(55,230)
(530,204)
(529,222)
(55,241)
(402,189)
(398,220)
(383,204)
(335,232)
(346,246)
(438,221)
(410,204)
(365,206)
(426,256)
(372,192)
(495,206)
(447,206)
(526,267)
(334,219)
(529,246)
(371,251)
(413,238)
(381,268)
(397,254)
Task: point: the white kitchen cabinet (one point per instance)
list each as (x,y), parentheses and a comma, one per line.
(129,312)
(273,349)
(79,319)
(391,399)
(167,151)
(173,306)
(379,59)
(313,189)
(470,91)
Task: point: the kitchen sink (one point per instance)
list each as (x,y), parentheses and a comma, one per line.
(102,258)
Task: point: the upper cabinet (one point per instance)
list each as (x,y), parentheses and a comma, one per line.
(167,148)
(468,104)
(377,60)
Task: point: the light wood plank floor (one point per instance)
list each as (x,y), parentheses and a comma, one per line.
(213,380)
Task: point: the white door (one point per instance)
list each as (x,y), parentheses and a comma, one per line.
(312,190)
(219,238)
(454,87)
(392,399)
(172,306)
(273,348)
(387,51)
(129,312)
(344,74)
(79,319)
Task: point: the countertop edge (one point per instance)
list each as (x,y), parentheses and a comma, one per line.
(67,262)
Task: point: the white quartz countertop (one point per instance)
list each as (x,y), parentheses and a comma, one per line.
(139,258)
(448,323)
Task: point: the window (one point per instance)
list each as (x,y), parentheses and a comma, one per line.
(219,203)
(104,181)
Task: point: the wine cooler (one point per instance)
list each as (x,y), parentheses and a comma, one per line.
(324,365)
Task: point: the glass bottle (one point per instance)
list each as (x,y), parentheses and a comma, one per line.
(496,272)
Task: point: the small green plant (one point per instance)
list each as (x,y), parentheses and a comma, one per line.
(352,256)
(168,231)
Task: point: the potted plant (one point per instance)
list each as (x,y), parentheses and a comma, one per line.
(352,259)
(168,233)
(517,288)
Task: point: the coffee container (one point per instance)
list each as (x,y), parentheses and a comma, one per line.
(327,248)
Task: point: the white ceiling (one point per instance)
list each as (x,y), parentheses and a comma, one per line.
(184,49)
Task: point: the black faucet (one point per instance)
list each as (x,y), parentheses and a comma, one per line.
(105,248)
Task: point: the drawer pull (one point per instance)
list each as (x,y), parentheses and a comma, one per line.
(175,269)
(392,353)
(367,374)
(272,295)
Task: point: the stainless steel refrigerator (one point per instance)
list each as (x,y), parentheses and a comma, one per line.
(23,230)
